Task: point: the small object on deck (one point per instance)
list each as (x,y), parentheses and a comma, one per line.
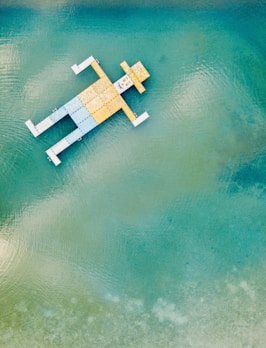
(94,105)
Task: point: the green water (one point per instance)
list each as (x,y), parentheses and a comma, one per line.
(146,237)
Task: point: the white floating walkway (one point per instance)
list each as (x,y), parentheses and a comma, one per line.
(141,119)
(47,123)
(63,144)
(32,128)
(82,66)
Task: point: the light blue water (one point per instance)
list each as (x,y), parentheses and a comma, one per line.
(147,237)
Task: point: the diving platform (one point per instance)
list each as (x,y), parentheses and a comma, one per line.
(93,105)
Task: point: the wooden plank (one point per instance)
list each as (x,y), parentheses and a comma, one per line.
(129,113)
(133,77)
(140,71)
(101,115)
(99,71)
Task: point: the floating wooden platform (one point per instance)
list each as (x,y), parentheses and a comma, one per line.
(94,105)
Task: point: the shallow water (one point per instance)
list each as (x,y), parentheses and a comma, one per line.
(147,237)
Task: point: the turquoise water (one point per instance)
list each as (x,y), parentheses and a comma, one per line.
(146,237)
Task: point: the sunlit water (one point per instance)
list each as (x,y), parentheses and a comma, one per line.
(146,237)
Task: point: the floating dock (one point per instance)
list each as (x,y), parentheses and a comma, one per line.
(94,105)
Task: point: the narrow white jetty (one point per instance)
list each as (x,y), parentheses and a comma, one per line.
(56,150)
(41,127)
(48,122)
(32,128)
(141,119)
(52,157)
(82,66)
